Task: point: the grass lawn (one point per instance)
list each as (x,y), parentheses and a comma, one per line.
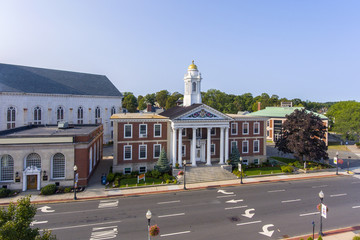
(338,147)
(131,182)
(263,171)
(285,160)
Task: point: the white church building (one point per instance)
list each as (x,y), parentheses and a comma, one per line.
(30,95)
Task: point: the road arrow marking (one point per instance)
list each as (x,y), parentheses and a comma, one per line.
(224,192)
(266,231)
(37,222)
(248,214)
(234,201)
(45,209)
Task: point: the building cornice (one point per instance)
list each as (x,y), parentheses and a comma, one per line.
(56,95)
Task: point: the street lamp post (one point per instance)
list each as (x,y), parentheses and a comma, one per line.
(321,195)
(348,164)
(75,181)
(148,217)
(337,163)
(313,223)
(184,162)
(241,170)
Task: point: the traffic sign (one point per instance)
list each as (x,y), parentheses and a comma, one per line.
(335,160)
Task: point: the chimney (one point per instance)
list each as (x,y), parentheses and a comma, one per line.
(149,107)
(259,106)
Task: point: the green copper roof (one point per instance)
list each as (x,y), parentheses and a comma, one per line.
(281,112)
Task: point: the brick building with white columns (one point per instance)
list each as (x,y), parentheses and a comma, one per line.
(193,132)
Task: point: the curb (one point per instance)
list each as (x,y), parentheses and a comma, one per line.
(327,233)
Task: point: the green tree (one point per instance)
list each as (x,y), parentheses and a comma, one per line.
(161,97)
(303,135)
(234,157)
(15,222)
(150,99)
(162,165)
(130,103)
(345,119)
(171,100)
(141,103)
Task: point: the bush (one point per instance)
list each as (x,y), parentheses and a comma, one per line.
(175,181)
(4,192)
(356,238)
(48,189)
(310,238)
(286,169)
(134,173)
(110,177)
(67,190)
(156,173)
(320,238)
(167,177)
(168,181)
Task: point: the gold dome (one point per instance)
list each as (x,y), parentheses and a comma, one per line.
(192,66)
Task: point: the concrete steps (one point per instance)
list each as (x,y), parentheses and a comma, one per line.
(207,174)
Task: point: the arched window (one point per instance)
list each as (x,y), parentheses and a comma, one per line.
(37,115)
(11,117)
(60,114)
(80,115)
(33,159)
(194,86)
(58,166)
(7,168)
(97,115)
(113,110)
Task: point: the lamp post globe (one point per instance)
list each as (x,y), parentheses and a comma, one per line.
(148,217)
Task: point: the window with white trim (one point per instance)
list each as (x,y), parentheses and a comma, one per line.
(213,131)
(256,146)
(267,133)
(142,169)
(245,128)
(234,144)
(256,128)
(37,116)
(127,152)
(60,114)
(183,133)
(157,130)
(157,150)
(80,115)
(33,159)
(128,131)
(183,150)
(245,146)
(97,115)
(127,170)
(11,112)
(268,123)
(245,162)
(113,110)
(142,151)
(7,168)
(198,133)
(234,128)
(58,166)
(212,149)
(143,130)
(256,161)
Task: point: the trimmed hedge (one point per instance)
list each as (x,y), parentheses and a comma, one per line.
(48,189)
(4,192)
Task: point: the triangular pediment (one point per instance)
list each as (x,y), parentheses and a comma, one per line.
(203,112)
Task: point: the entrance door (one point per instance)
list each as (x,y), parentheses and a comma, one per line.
(31,181)
(198,154)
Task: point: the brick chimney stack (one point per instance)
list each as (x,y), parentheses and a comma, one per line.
(149,107)
(259,106)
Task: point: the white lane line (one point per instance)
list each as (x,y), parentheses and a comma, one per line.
(282,190)
(226,196)
(168,202)
(355,182)
(171,234)
(82,211)
(307,214)
(108,203)
(338,195)
(246,223)
(287,201)
(319,186)
(172,215)
(85,225)
(228,208)
(356,207)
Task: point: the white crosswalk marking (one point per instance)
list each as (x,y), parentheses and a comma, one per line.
(102,233)
(108,203)
(357,176)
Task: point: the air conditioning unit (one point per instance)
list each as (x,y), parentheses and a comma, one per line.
(143,135)
(63,125)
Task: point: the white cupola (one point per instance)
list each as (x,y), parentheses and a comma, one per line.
(192,91)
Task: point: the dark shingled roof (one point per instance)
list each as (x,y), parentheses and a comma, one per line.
(24,79)
(178,111)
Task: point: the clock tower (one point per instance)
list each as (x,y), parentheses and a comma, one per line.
(192,91)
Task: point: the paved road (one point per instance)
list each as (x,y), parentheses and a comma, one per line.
(277,209)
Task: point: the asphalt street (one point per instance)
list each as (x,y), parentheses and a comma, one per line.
(254,211)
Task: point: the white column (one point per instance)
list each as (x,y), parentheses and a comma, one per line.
(193,148)
(208,147)
(221,146)
(174,147)
(226,143)
(180,148)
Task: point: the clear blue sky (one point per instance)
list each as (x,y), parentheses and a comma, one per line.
(296,49)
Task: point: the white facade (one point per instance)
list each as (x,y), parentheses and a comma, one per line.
(24,105)
(192,91)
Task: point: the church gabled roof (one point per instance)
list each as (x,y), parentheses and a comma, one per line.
(14,78)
